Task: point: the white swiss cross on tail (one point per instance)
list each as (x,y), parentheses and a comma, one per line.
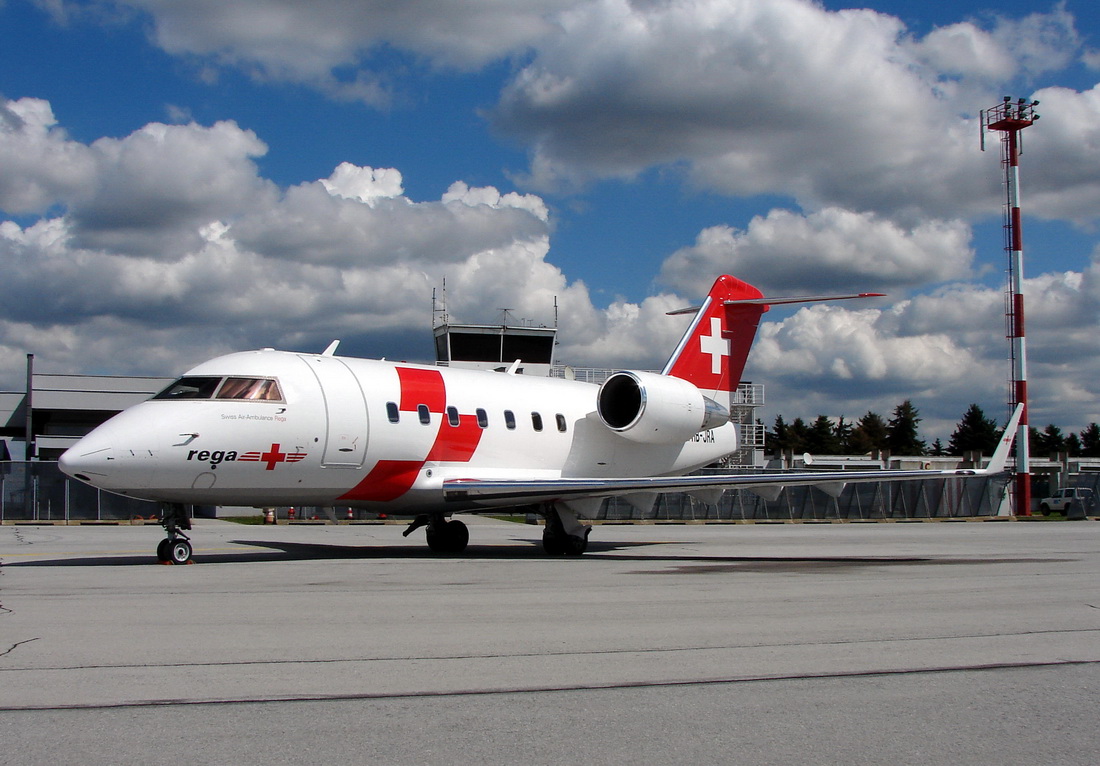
(712,353)
(715,345)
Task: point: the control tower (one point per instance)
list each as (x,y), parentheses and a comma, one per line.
(496,347)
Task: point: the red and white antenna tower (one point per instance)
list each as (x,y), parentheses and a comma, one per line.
(1009,118)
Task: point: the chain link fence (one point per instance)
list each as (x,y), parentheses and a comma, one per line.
(39,491)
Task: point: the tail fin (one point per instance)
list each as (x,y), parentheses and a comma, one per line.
(712,353)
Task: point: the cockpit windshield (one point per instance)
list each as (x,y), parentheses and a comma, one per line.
(204,387)
(190,387)
(262,389)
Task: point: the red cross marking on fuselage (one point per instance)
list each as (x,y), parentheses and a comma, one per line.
(272,457)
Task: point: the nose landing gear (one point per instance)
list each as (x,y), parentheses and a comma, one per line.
(176,548)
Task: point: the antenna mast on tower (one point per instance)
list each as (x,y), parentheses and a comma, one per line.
(1009,118)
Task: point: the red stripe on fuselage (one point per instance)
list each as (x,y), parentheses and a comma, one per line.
(390,479)
(421,387)
(456,444)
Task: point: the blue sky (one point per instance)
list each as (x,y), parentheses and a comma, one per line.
(617,156)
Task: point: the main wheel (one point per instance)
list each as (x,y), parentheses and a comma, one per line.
(458,536)
(565,545)
(162,550)
(575,545)
(554,545)
(179,551)
(448,537)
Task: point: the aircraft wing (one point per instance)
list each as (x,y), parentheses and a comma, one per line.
(521,492)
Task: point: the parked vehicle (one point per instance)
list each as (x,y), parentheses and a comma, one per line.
(1077,499)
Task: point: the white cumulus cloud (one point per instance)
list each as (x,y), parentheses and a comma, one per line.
(826,250)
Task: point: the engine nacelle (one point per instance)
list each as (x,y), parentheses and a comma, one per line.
(656,409)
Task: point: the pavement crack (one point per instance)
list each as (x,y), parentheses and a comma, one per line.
(13,647)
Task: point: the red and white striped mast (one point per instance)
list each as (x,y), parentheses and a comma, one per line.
(1010,117)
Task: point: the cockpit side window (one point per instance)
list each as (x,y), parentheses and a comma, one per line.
(191,387)
(254,389)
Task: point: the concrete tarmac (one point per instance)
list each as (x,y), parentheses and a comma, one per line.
(930,643)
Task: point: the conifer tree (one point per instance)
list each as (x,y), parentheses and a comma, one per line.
(975,432)
(901,431)
(821,438)
(1073,445)
(1047,442)
(869,434)
(843,433)
(800,433)
(776,438)
(1090,441)
(786,436)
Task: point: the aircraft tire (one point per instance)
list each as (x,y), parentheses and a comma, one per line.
(554,545)
(449,538)
(179,552)
(575,545)
(564,545)
(162,550)
(458,536)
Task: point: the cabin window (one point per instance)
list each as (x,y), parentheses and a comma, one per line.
(510,420)
(424,414)
(482,418)
(536,421)
(254,389)
(452,416)
(392,412)
(191,387)
(561,422)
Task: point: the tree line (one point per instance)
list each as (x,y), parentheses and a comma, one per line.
(900,436)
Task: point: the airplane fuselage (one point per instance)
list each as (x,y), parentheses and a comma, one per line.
(280,428)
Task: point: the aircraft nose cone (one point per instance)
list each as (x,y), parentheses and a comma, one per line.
(87,460)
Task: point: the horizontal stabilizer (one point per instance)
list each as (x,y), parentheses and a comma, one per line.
(780,301)
(804,299)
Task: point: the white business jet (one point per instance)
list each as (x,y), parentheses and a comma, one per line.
(275,428)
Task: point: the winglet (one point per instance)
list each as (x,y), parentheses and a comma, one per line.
(331,350)
(999,461)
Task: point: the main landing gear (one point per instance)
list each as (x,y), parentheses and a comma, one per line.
(563,535)
(176,548)
(447,536)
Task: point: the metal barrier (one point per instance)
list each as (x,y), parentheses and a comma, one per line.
(919,499)
(39,491)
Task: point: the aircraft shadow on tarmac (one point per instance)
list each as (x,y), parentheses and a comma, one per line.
(275,551)
(268,551)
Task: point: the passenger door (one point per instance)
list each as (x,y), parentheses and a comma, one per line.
(345,412)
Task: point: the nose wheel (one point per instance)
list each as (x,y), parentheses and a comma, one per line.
(176,551)
(176,548)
